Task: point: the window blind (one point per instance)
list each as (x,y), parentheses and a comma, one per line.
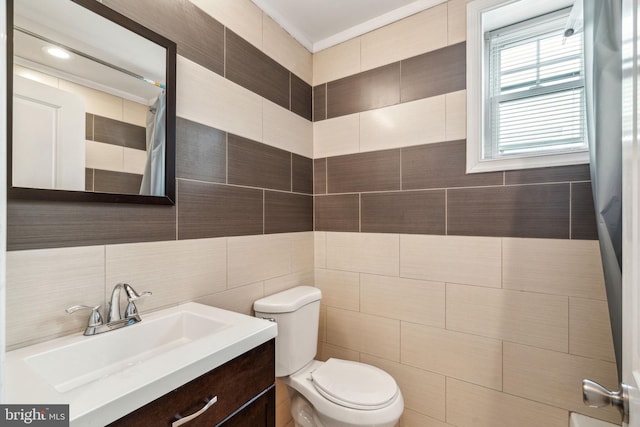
(535,90)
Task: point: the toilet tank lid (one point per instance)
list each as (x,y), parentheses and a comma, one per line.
(288,301)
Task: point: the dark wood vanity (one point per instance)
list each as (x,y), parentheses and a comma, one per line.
(245,391)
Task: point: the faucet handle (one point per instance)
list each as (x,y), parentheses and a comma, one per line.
(95,319)
(132,295)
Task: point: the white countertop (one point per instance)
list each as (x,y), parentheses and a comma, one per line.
(106,399)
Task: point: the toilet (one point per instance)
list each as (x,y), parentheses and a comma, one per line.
(335,393)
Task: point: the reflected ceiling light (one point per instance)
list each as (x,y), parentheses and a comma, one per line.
(57,52)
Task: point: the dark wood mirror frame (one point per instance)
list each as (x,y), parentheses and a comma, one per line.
(65,195)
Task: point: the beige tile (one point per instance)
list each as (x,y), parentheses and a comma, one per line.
(243,17)
(282,394)
(454,259)
(96,102)
(456,21)
(208,98)
(322,325)
(340,289)
(239,299)
(41,284)
(337,136)
(561,267)
(281,283)
(134,113)
(401,125)
(363,252)
(320,249)
(417,34)
(456,112)
(415,301)
(523,317)
(175,271)
(283,408)
(555,378)
(327,351)
(134,161)
(255,258)
(99,155)
(286,50)
(412,418)
(287,130)
(423,391)
(454,354)
(364,333)
(590,329)
(302,255)
(336,62)
(470,405)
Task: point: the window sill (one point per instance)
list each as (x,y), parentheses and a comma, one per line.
(474,165)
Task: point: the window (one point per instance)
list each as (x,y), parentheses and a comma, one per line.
(527,109)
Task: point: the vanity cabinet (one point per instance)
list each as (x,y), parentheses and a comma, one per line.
(244,388)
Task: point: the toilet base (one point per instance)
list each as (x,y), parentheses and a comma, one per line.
(305,416)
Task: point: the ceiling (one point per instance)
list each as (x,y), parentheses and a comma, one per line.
(319,24)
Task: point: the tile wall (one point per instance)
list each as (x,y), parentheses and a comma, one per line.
(242,225)
(481,322)
(471,290)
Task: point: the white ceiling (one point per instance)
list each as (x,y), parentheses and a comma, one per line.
(319,24)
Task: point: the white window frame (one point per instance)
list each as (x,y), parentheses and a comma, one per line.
(483,16)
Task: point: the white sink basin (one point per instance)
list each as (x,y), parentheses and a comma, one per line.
(76,364)
(105,376)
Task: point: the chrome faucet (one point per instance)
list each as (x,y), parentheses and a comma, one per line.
(115,320)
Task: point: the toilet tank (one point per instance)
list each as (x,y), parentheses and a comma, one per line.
(296,311)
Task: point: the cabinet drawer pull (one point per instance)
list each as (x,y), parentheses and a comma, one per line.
(202,410)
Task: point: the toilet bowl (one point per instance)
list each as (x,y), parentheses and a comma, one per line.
(335,393)
(347,394)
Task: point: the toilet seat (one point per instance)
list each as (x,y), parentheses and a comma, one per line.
(354,385)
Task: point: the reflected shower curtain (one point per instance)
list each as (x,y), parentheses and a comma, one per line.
(153,178)
(603,93)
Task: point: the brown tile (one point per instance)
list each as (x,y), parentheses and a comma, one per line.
(373,171)
(320,176)
(255,164)
(372,89)
(116,182)
(199,37)
(88,179)
(215,210)
(517,211)
(201,152)
(88,127)
(320,102)
(337,213)
(249,67)
(434,73)
(441,165)
(408,212)
(583,215)
(301,174)
(287,213)
(553,174)
(301,97)
(119,133)
(49,224)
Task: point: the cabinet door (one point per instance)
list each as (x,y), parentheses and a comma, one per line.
(260,413)
(233,384)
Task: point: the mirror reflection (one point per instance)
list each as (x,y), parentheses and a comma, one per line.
(89,102)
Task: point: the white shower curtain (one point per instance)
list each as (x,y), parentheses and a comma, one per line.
(153,179)
(603,90)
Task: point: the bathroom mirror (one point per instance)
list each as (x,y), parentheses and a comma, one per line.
(92,110)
